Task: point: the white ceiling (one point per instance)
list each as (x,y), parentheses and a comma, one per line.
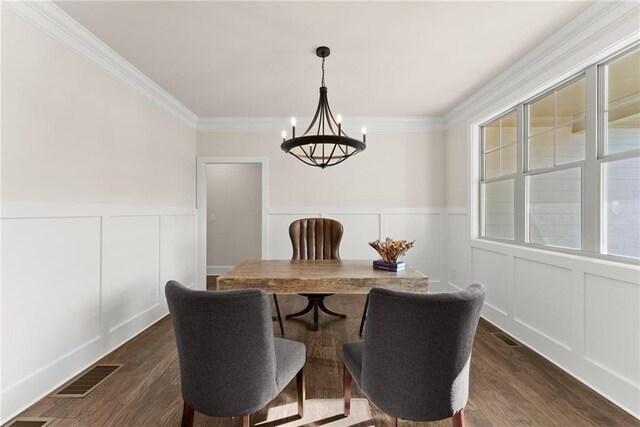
(253,59)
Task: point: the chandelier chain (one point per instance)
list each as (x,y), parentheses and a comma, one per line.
(323,71)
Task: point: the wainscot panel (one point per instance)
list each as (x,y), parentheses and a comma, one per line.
(543,299)
(78,281)
(583,314)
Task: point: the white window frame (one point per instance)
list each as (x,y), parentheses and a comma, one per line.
(592,203)
(512,176)
(582,164)
(602,157)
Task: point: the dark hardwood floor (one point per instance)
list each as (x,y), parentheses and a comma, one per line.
(509,386)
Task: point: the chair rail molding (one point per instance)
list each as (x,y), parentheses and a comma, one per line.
(49,18)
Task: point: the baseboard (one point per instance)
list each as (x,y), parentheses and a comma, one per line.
(216,270)
(57,373)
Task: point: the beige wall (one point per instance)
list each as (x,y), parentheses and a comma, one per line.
(124,170)
(73,134)
(234,195)
(396,170)
(456,166)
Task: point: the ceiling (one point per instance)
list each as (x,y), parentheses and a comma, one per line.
(257,59)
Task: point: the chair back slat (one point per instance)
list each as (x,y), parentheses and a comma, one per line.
(315,238)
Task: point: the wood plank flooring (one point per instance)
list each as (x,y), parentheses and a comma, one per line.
(509,386)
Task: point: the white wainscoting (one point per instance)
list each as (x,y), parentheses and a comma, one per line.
(580,313)
(364,225)
(79,281)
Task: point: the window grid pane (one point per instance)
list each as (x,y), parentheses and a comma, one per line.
(541,151)
(491,136)
(508,159)
(623,128)
(569,142)
(498,209)
(492,164)
(621,110)
(623,80)
(555,208)
(499,146)
(556,127)
(621,207)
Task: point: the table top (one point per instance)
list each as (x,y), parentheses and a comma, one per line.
(319,276)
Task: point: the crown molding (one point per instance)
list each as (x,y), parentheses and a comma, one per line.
(350,124)
(49,18)
(596,21)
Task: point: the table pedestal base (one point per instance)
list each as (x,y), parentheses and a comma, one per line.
(316,301)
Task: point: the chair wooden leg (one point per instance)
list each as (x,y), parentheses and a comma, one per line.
(246,420)
(187,415)
(346,386)
(458,419)
(394,422)
(301,387)
(364,316)
(275,299)
(315,316)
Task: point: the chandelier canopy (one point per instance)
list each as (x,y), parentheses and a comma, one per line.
(324,143)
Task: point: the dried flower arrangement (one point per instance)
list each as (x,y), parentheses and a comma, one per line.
(390,250)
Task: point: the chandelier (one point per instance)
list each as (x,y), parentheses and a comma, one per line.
(324,143)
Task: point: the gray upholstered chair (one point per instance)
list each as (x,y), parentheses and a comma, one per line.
(414,360)
(230,363)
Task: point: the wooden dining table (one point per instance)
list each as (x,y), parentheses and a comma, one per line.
(319,276)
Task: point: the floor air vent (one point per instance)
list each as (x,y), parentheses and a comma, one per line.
(30,422)
(506,339)
(86,382)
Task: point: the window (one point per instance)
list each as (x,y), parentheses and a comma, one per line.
(621,109)
(620,123)
(555,142)
(562,170)
(499,146)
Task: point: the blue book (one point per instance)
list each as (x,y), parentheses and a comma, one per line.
(389,266)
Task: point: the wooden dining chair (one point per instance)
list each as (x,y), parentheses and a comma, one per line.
(414,360)
(315,239)
(231,365)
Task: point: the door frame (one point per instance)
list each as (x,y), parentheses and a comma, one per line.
(201,206)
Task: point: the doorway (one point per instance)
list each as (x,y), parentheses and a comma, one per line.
(231,202)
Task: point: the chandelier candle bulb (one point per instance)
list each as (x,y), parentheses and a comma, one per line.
(284,135)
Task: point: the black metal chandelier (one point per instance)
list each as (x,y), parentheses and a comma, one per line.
(324,143)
